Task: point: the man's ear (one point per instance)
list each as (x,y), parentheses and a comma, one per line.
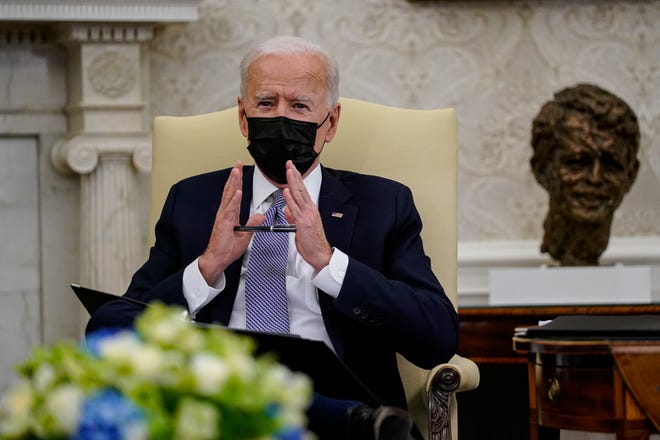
(242,118)
(333,120)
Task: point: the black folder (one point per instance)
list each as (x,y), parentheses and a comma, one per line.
(93,299)
(613,327)
(331,377)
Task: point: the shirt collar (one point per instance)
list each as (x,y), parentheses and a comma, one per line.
(262,188)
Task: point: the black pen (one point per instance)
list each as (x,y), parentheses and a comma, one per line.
(272,228)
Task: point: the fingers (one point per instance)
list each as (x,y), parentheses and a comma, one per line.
(234,183)
(256,220)
(301,210)
(296,196)
(228,213)
(224,246)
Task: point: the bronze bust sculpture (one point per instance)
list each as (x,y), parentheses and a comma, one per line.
(585,145)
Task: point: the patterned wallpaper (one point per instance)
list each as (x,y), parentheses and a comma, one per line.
(496,62)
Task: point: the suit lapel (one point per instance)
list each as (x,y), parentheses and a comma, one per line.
(337,216)
(338,219)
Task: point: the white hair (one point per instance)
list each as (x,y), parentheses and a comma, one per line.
(286,45)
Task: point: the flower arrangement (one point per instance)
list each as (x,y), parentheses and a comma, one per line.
(167,379)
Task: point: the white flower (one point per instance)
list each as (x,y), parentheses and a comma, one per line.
(293,392)
(167,379)
(210,373)
(190,341)
(64,403)
(290,388)
(196,420)
(275,378)
(299,389)
(147,362)
(291,417)
(44,377)
(15,409)
(120,348)
(166,330)
(241,364)
(135,431)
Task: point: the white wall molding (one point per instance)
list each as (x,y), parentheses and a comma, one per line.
(624,250)
(477,257)
(99,10)
(106,33)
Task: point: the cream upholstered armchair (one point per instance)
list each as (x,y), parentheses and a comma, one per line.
(415,147)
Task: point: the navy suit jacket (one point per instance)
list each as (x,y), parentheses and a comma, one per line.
(390,300)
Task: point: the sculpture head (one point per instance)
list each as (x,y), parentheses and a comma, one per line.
(585,145)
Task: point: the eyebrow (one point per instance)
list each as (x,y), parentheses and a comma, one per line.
(301,98)
(263,96)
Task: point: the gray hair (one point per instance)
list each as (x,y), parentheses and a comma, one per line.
(285,45)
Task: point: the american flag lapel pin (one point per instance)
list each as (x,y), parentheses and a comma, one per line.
(336,214)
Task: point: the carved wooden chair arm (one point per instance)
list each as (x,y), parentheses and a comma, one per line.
(443,381)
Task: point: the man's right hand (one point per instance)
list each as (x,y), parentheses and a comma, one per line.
(225,245)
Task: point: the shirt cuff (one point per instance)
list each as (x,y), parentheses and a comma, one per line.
(331,278)
(196,291)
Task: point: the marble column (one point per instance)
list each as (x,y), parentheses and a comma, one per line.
(72,73)
(107,146)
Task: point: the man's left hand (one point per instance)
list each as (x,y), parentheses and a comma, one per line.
(300,210)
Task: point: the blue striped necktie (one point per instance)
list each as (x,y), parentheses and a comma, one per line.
(265,282)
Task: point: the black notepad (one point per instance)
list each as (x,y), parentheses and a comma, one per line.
(93,299)
(599,326)
(331,377)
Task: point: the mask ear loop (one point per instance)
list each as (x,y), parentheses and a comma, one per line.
(322,122)
(319,126)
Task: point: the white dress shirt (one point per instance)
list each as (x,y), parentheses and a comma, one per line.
(302,281)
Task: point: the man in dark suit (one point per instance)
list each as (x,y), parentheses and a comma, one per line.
(357,276)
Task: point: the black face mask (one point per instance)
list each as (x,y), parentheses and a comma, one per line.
(273,141)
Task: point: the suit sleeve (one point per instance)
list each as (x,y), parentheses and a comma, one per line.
(161,276)
(399,299)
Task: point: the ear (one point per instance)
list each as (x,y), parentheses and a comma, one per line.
(632,173)
(539,172)
(242,119)
(333,120)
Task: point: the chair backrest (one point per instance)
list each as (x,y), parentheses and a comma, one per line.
(415,147)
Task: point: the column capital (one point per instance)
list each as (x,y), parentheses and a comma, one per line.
(92,32)
(80,154)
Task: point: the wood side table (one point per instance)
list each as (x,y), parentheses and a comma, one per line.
(592,385)
(485,337)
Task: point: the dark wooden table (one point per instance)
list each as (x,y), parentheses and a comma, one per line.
(592,385)
(499,408)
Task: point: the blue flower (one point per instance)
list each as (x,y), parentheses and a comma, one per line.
(289,434)
(166,378)
(272,410)
(108,415)
(94,340)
